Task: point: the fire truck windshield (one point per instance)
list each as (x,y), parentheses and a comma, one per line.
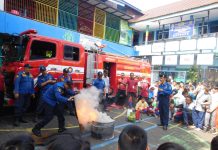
(13,48)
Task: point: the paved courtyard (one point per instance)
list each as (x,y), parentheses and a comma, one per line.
(190,139)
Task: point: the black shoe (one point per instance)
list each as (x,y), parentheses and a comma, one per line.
(16,123)
(36,132)
(164,127)
(61,130)
(23,121)
(159,125)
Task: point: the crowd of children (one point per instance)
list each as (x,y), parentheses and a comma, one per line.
(195,107)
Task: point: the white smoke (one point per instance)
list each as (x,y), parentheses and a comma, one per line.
(87,103)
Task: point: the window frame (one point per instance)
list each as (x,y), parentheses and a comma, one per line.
(38,40)
(70,59)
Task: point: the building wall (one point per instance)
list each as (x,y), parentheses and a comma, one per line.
(14,25)
(75,15)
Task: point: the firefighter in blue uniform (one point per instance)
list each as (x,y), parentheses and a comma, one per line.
(23,90)
(66,77)
(53,98)
(164,92)
(45,80)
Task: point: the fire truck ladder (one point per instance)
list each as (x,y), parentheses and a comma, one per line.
(92,67)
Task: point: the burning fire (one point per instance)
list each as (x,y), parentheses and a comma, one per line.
(87,102)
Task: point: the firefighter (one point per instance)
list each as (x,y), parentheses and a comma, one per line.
(100,85)
(66,77)
(45,80)
(164,92)
(24,89)
(53,99)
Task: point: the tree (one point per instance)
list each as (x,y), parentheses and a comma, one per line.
(193,74)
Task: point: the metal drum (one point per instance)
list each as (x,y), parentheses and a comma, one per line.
(102,131)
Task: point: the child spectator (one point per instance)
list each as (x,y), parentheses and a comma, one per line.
(187,111)
(202,102)
(152,107)
(170,146)
(133,138)
(209,121)
(141,105)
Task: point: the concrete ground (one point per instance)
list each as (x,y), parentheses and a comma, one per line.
(190,139)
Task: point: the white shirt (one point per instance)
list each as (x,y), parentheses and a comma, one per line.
(189,106)
(201,98)
(214,101)
(107,83)
(179,99)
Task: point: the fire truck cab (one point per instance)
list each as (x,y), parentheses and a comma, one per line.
(55,55)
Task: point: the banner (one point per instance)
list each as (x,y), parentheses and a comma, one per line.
(88,42)
(187,59)
(126,33)
(157,60)
(205,59)
(171,60)
(181,29)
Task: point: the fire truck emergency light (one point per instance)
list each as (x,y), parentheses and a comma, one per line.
(31,31)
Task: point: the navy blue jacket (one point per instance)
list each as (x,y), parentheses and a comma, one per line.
(42,79)
(99,84)
(167,89)
(57,94)
(24,83)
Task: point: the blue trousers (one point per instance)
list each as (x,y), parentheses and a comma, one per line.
(164,109)
(50,111)
(22,104)
(198,118)
(187,116)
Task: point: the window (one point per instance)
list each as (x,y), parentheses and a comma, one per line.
(71,53)
(42,50)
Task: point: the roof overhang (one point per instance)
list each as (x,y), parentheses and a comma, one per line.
(176,17)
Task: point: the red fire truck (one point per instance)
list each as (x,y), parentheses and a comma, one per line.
(55,54)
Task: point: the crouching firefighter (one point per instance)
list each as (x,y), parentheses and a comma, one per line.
(54,98)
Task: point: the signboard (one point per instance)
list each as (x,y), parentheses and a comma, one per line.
(126,33)
(158,47)
(143,50)
(205,59)
(207,43)
(186,59)
(2,5)
(171,60)
(88,42)
(157,60)
(188,45)
(181,29)
(172,46)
